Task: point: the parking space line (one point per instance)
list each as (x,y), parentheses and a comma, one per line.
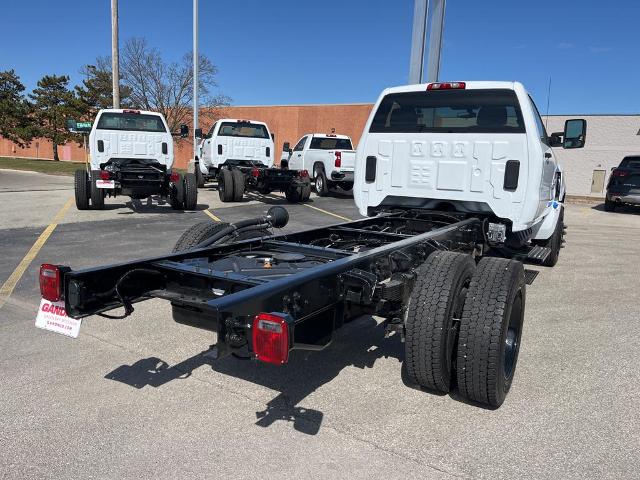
(7,288)
(213,217)
(327,212)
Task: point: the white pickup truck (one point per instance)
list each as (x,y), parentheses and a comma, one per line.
(231,142)
(131,154)
(474,147)
(330,157)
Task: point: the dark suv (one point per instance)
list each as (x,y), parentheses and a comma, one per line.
(624,184)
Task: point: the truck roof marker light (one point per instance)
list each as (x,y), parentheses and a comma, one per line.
(50,282)
(131,111)
(447,86)
(270,335)
(338,162)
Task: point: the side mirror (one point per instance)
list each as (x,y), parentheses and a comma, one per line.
(286,147)
(555,139)
(184,131)
(575,133)
(273,137)
(198,132)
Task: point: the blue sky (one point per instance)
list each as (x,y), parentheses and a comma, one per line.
(329,51)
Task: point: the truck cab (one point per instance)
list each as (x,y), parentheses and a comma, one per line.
(476,147)
(230,142)
(330,157)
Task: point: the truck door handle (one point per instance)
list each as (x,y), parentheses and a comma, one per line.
(547,154)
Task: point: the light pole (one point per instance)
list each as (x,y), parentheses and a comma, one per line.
(418,40)
(115,55)
(195,76)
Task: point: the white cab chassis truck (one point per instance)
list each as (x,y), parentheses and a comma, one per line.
(330,157)
(131,153)
(475,147)
(453,177)
(239,154)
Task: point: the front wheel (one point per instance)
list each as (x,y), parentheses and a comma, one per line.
(554,242)
(609,206)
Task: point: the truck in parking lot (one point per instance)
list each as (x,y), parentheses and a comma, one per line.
(458,183)
(330,157)
(131,153)
(239,154)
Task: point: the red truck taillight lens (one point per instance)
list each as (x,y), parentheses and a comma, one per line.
(174,177)
(270,338)
(104,175)
(304,173)
(255,172)
(338,159)
(50,282)
(447,86)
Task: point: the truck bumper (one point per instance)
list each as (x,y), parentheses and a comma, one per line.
(342,176)
(630,198)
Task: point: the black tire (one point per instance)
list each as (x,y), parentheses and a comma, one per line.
(196,234)
(81,186)
(490,331)
(320,180)
(437,298)
(554,242)
(199,175)
(305,192)
(609,206)
(190,191)
(176,198)
(225,185)
(238,185)
(97,194)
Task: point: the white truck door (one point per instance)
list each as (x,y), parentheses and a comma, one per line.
(549,163)
(297,157)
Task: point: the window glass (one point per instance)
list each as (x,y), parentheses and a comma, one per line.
(243,129)
(330,143)
(542,132)
(136,122)
(300,144)
(449,111)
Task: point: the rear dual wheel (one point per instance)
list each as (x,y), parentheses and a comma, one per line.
(231,185)
(463,324)
(185,193)
(97,194)
(299,193)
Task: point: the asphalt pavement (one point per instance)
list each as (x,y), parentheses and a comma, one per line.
(134,398)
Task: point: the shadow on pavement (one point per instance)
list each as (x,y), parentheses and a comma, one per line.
(621,208)
(359,344)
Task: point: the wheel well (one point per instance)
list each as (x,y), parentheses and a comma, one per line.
(318,164)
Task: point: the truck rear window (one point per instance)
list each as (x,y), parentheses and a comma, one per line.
(324,143)
(136,122)
(449,111)
(243,129)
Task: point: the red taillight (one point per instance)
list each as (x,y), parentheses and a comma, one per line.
(50,282)
(304,173)
(270,338)
(447,86)
(338,159)
(255,172)
(104,175)
(174,177)
(620,173)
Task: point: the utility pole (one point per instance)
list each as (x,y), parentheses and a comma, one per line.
(436,30)
(435,27)
(195,76)
(416,63)
(115,54)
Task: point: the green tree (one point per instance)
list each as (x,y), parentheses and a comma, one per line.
(95,92)
(53,104)
(15,122)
